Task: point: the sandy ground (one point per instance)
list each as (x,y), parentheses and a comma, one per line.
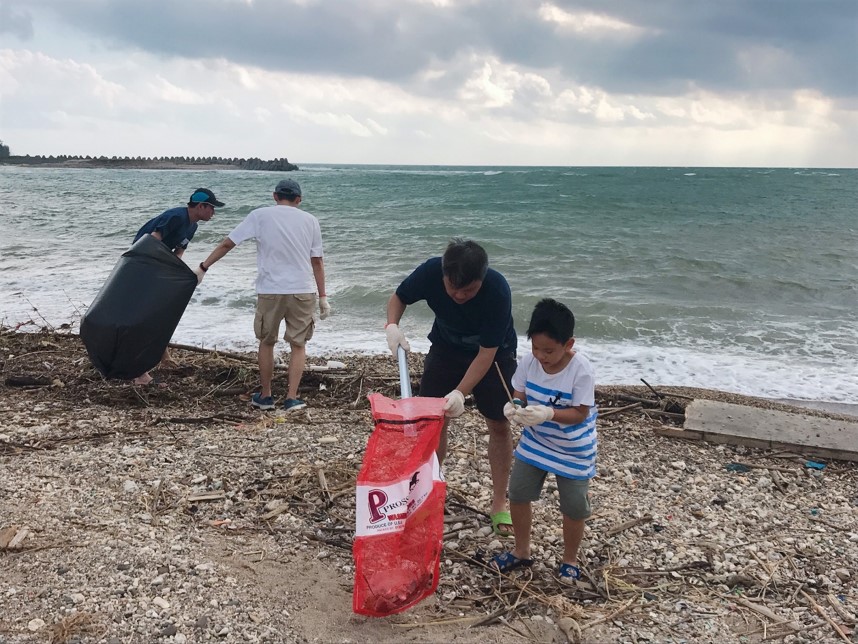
(178,513)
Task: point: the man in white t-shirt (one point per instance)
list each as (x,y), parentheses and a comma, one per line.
(290,272)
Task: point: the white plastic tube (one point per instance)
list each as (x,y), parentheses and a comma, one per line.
(404,378)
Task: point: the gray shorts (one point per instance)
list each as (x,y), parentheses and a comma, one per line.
(525,485)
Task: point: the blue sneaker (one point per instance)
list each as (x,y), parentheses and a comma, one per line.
(293,404)
(568,574)
(265,404)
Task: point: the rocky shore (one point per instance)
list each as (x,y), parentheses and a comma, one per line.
(177,513)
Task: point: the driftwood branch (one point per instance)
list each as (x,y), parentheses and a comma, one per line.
(224,418)
(27,381)
(825,616)
(628,524)
(618,410)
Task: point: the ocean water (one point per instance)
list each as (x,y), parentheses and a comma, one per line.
(738,279)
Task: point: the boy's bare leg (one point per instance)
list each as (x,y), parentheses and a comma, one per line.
(500,462)
(522,519)
(573,533)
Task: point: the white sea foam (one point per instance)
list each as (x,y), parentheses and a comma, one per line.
(703,365)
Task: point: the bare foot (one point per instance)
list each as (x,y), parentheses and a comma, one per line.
(145,379)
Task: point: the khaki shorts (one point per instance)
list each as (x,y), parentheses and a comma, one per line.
(525,485)
(297,310)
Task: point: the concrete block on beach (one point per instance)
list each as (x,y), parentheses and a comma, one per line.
(720,422)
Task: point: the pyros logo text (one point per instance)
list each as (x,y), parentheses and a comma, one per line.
(380,509)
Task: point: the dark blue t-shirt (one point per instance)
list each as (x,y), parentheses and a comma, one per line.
(174,226)
(483,321)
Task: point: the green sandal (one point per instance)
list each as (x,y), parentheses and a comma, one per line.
(500,519)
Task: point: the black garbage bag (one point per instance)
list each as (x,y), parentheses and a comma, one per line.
(129,324)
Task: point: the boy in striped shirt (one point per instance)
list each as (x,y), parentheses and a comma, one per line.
(558,434)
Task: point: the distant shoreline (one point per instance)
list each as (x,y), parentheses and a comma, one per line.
(88,165)
(276,165)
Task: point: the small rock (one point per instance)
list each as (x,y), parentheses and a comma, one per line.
(161,603)
(169,631)
(35,624)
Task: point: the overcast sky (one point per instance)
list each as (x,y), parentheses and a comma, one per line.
(500,82)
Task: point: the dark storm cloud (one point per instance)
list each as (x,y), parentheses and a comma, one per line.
(723,45)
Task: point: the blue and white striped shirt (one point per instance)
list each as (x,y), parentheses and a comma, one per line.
(565,450)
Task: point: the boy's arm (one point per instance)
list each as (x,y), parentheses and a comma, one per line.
(572,415)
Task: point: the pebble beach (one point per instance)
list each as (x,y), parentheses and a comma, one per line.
(177,513)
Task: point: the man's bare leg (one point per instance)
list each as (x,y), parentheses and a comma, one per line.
(297,360)
(500,463)
(145,379)
(442,443)
(167,360)
(265,357)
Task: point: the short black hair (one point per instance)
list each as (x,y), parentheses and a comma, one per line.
(553,319)
(464,262)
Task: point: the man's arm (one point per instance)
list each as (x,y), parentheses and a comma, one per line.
(318,264)
(395,337)
(479,368)
(179,252)
(395,309)
(220,250)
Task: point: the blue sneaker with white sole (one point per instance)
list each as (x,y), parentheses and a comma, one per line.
(293,404)
(265,404)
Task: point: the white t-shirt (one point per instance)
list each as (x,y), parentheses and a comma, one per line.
(565,450)
(286,239)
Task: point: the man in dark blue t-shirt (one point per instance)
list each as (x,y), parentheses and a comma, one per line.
(472,330)
(176,227)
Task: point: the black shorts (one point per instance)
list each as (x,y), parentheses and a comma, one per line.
(444,369)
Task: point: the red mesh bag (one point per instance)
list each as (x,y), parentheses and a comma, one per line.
(400,507)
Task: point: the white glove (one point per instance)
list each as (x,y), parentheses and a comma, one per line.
(324,308)
(396,338)
(534,415)
(509,410)
(200,273)
(455,405)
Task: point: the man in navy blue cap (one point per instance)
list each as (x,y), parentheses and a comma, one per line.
(175,228)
